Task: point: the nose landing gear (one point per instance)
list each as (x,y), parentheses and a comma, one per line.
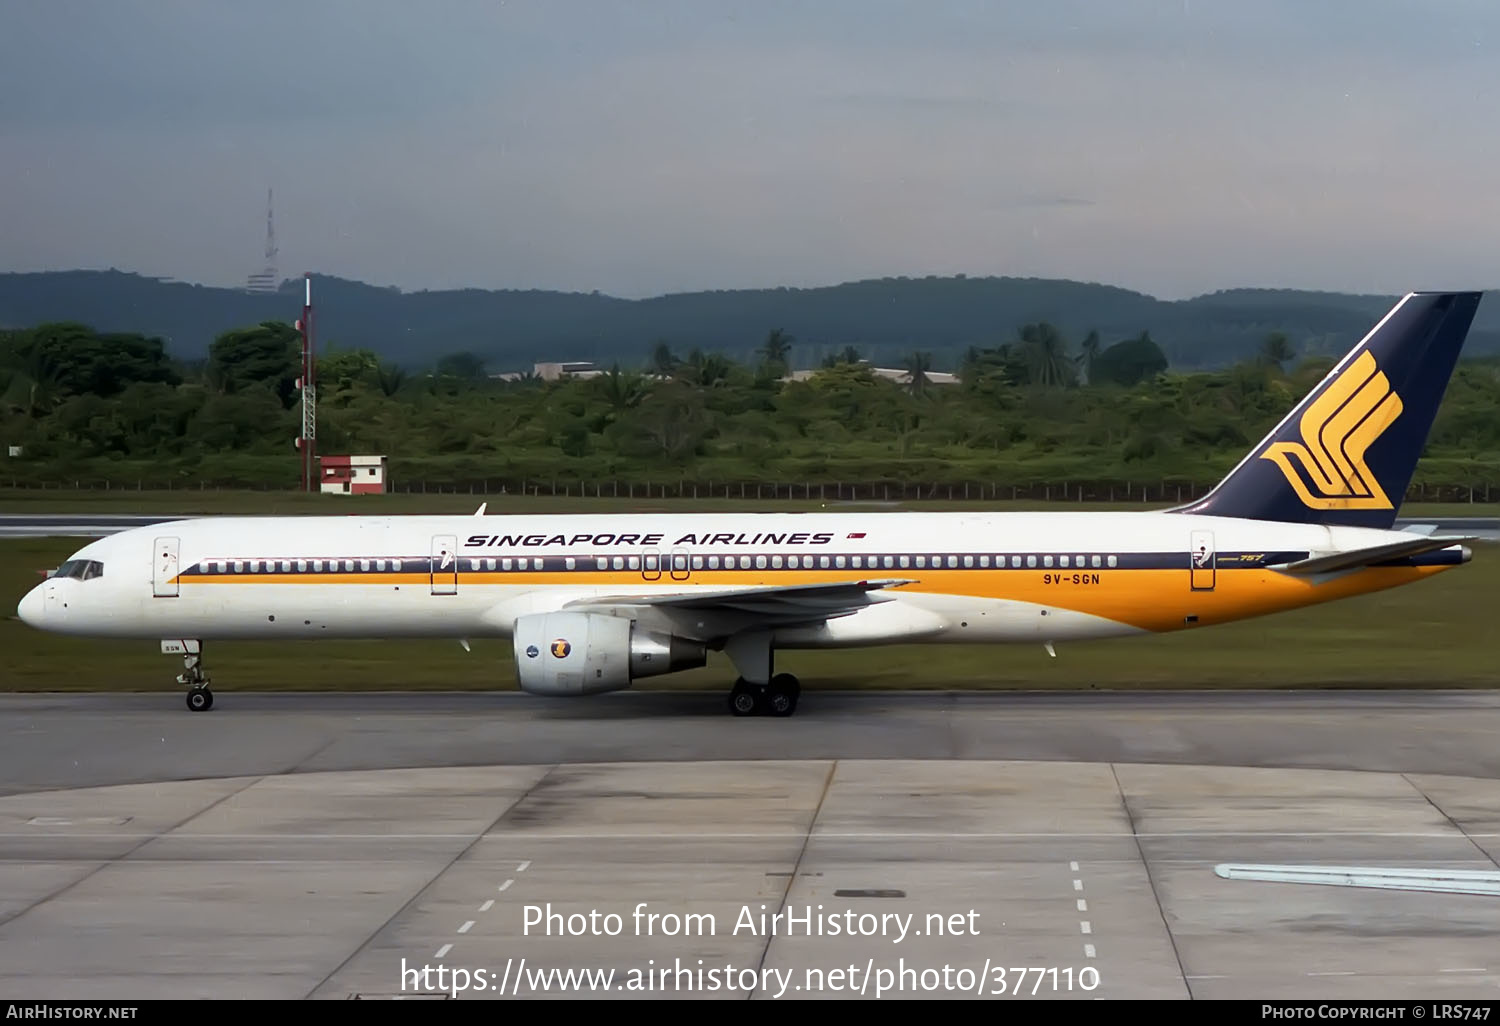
(199,697)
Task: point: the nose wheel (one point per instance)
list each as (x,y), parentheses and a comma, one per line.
(200,699)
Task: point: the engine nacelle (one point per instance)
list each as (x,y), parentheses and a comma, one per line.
(589,653)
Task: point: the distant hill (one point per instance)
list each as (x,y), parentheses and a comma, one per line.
(885,318)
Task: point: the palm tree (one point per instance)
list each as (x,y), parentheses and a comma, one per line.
(917,366)
(389,378)
(849,354)
(1090,353)
(621,390)
(1046,353)
(662,360)
(1276,350)
(774,351)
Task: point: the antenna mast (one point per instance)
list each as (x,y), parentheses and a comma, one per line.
(308,441)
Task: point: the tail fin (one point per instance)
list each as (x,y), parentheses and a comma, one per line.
(1346,454)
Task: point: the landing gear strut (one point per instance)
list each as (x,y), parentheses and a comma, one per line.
(199,697)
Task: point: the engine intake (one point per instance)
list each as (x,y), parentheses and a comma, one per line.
(589,653)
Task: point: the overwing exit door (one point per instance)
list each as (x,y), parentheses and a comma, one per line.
(1202,561)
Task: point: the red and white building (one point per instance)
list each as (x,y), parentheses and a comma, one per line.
(353,475)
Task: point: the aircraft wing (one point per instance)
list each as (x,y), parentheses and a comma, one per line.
(1369,556)
(796,603)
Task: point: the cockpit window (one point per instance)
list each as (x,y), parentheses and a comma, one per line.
(80,569)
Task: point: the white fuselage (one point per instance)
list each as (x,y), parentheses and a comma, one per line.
(974,577)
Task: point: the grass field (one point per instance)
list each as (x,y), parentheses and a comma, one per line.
(1436,633)
(209,501)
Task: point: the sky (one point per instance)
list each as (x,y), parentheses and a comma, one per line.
(640,148)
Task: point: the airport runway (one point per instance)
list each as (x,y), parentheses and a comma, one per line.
(305,845)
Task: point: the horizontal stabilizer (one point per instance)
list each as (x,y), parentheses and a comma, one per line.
(1370,556)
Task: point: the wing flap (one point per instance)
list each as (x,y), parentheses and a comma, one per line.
(1370,556)
(798,601)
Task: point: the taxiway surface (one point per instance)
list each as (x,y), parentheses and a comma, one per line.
(317,845)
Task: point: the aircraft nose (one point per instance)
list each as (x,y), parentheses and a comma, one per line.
(31,606)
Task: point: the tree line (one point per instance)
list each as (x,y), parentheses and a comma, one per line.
(1035,408)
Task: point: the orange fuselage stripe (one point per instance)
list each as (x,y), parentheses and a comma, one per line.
(1153,600)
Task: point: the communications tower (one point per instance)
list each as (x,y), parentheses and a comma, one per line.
(266,280)
(307,442)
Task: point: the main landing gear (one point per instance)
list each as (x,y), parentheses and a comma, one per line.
(778,698)
(199,697)
(760,691)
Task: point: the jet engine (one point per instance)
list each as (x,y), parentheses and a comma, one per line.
(589,653)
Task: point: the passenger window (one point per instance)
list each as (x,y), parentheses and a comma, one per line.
(903,561)
(602,563)
(364,565)
(921,561)
(776,562)
(505,564)
(239,566)
(697,562)
(823,562)
(1046,561)
(1030,560)
(1096,561)
(1111,560)
(489,564)
(953,561)
(1079,561)
(713,562)
(760,562)
(635,562)
(968,561)
(985,561)
(569,563)
(857,562)
(1063,561)
(619,562)
(889,562)
(302,566)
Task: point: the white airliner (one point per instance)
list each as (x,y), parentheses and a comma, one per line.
(595,602)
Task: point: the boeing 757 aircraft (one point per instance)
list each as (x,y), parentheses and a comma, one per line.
(593,603)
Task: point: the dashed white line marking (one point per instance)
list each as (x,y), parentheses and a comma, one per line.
(1463,970)
(1083,906)
(466,927)
(443,950)
(1088,951)
(1086,927)
(522,867)
(506,884)
(1073,866)
(1078,885)
(487,905)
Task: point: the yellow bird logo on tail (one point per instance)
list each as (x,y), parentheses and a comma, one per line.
(1336,430)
